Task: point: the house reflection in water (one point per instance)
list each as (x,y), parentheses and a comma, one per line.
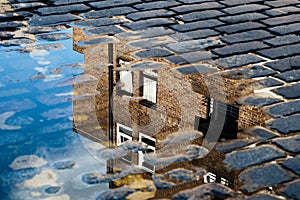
(176,112)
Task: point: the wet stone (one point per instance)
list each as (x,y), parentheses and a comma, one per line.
(284,109)
(149,14)
(103,30)
(282,11)
(240,27)
(282,20)
(108,12)
(254,71)
(64,2)
(193,45)
(197,69)
(264,197)
(113,3)
(269,82)
(238,60)
(259,101)
(6,35)
(151,42)
(207,191)
(240,48)
(181,174)
(245,8)
(97,22)
(292,164)
(291,190)
(10,25)
(194,7)
(232,145)
(283,40)
(250,157)
(200,15)
(262,177)
(281,52)
(246,36)
(198,34)
(188,58)
(22,6)
(153,53)
(146,33)
(52,189)
(162,184)
(197,25)
(52,19)
(280,3)
(95,41)
(148,23)
(289,92)
(290,76)
(243,18)
(235,2)
(285,64)
(63,165)
(119,193)
(287,28)
(262,133)
(156,5)
(290,144)
(55,36)
(14,15)
(63,9)
(42,29)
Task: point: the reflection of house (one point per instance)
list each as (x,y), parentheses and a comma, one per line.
(152,99)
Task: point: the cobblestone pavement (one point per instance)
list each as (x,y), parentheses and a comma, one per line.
(234,34)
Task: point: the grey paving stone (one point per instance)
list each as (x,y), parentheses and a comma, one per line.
(6,34)
(285,64)
(193,45)
(246,36)
(188,58)
(197,25)
(282,11)
(281,52)
(200,15)
(67,2)
(289,92)
(281,3)
(260,101)
(283,40)
(292,164)
(240,48)
(263,177)
(113,3)
(16,42)
(264,197)
(104,30)
(145,33)
(9,16)
(197,69)
(97,22)
(239,2)
(108,12)
(284,109)
(148,23)
(285,125)
(22,6)
(95,41)
(240,27)
(287,28)
(290,144)
(245,8)
(150,14)
(207,191)
(252,72)
(156,5)
(63,9)
(194,7)
(10,25)
(54,36)
(232,145)
(282,20)
(269,82)
(238,61)
(192,1)
(151,42)
(153,53)
(243,17)
(198,34)
(262,133)
(246,158)
(291,190)
(290,76)
(53,19)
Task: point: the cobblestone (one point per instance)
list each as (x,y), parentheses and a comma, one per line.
(264,197)
(239,48)
(53,19)
(232,145)
(240,27)
(148,23)
(269,82)
(200,15)
(246,36)
(68,2)
(194,7)
(283,11)
(262,133)
(197,25)
(153,53)
(245,8)
(282,20)
(291,190)
(156,5)
(151,42)
(113,3)
(235,2)
(285,29)
(285,64)
(250,157)
(243,18)
(289,92)
(10,25)
(63,9)
(263,177)
(23,6)
(97,22)
(281,52)
(284,109)
(146,33)
(193,45)
(238,61)
(199,34)
(290,76)
(283,40)
(104,30)
(149,14)
(290,144)
(188,58)
(292,164)
(108,12)
(280,3)
(260,101)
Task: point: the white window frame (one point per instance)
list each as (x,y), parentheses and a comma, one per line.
(142,155)
(120,134)
(149,83)
(126,80)
(209,177)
